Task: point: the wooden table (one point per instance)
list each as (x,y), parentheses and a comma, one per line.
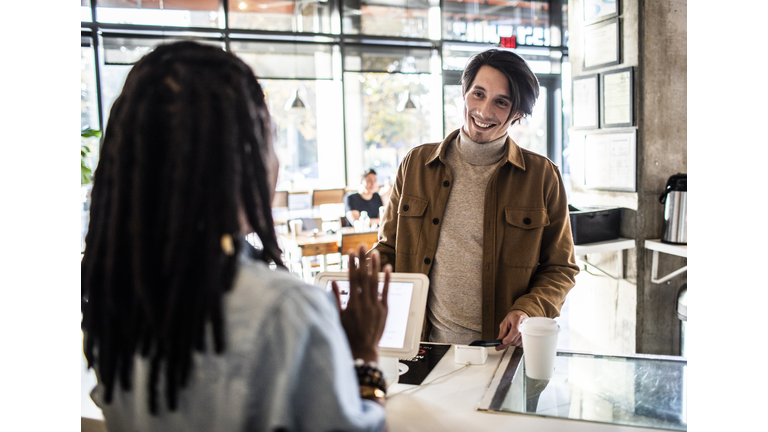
(304,245)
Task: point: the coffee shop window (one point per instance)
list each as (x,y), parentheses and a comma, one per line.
(85,11)
(392,104)
(486,22)
(174,13)
(303,92)
(280,15)
(409,18)
(89,122)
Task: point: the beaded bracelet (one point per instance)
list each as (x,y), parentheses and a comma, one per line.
(370,392)
(369,375)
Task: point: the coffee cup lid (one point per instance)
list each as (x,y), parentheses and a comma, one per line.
(539,326)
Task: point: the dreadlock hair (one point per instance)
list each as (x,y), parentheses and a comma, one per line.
(523,84)
(185,151)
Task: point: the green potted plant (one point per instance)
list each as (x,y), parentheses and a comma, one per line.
(86,173)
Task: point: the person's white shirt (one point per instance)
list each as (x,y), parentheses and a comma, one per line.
(287,364)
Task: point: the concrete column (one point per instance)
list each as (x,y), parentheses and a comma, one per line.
(662,130)
(654,41)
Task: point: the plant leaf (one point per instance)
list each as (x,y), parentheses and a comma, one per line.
(85,173)
(88,133)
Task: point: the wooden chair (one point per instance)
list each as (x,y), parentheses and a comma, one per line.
(353,240)
(280,211)
(92,425)
(323,197)
(327,196)
(281,199)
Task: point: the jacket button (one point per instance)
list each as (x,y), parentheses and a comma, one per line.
(527,221)
(435,221)
(446,183)
(427,261)
(405,207)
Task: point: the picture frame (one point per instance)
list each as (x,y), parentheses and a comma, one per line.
(610,160)
(617,101)
(586,102)
(602,44)
(597,10)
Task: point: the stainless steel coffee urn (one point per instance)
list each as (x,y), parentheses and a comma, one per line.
(675,210)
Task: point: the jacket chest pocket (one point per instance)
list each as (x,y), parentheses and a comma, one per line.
(523,231)
(410,218)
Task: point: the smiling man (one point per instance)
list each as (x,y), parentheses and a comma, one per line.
(486,220)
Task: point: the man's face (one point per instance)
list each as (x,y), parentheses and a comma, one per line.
(370,183)
(487,104)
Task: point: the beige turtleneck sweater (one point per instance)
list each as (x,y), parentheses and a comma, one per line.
(454,304)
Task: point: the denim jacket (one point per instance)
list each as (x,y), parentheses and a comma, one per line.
(528,256)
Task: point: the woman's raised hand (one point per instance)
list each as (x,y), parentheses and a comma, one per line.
(366,313)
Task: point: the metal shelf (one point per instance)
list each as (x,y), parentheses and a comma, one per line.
(657,246)
(617,245)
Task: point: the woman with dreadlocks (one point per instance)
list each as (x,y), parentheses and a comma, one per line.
(184,323)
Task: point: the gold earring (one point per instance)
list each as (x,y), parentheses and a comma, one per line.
(227,245)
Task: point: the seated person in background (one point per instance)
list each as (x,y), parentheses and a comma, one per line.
(185,324)
(365,199)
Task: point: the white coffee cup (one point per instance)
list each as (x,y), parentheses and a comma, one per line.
(539,346)
(297,225)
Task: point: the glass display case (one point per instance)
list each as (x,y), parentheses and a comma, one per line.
(637,390)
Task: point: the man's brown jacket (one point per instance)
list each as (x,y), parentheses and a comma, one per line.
(528,259)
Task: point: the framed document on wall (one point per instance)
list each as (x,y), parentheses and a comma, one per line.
(616,98)
(598,10)
(610,160)
(602,44)
(586,102)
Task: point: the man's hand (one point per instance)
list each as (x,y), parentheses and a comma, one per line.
(509,330)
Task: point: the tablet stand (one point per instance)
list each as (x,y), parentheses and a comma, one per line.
(389,366)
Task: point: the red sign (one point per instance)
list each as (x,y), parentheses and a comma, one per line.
(509,42)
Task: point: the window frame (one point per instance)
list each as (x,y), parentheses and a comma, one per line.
(96,30)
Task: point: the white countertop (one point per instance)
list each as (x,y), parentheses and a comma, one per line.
(450,404)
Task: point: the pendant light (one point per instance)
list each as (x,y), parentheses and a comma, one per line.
(295,102)
(407,103)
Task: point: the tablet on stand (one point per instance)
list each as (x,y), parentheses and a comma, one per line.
(407,303)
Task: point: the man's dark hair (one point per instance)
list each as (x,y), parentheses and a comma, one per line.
(368,171)
(184,152)
(523,85)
